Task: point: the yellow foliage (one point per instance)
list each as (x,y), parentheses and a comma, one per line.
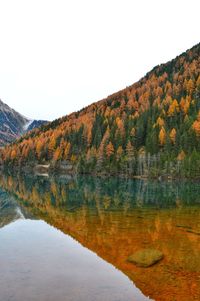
(133,132)
(109,149)
(162,136)
(73,158)
(174,107)
(196,125)
(160,122)
(67,150)
(181,156)
(119,152)
(172,135)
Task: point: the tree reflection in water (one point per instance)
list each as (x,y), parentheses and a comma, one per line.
(115,217)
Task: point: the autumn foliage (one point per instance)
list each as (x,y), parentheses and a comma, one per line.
(159,114)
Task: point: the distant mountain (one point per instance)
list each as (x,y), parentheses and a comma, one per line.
(35,124)
(13,124)
(150,128)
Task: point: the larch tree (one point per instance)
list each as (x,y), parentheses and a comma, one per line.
(162,136)
(172,135)
(109,149)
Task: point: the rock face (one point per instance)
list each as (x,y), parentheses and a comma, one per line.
(13,124)
(146,258)
(35,124)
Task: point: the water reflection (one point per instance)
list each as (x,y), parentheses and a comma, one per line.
(40,263)
(9,209)
(114,218)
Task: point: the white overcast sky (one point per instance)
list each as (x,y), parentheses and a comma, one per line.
(57,56)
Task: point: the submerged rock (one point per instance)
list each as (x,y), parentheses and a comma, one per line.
(146,257)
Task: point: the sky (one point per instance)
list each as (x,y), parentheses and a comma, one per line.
(58,56)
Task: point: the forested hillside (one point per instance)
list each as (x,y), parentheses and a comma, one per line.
(149,128)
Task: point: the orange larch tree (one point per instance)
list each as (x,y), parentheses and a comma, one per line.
(162,136)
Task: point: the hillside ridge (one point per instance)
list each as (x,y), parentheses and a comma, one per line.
(149,128)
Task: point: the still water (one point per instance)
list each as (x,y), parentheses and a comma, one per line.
(69,239)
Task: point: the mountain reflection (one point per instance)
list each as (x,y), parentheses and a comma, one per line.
(9,209)
(115,217)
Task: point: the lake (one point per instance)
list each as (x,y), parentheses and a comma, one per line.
(69,239)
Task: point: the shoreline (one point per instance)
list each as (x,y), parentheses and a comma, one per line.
(48,170)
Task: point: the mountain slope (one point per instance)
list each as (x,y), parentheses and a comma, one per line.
(151,127)
(13,124)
